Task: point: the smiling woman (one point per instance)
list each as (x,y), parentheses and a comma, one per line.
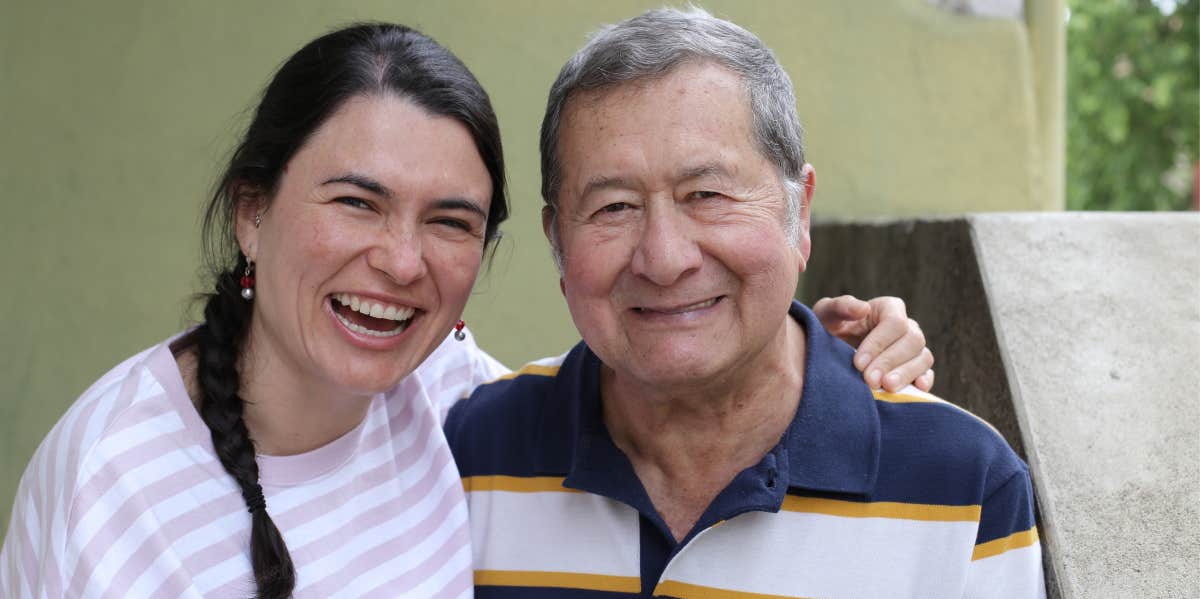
(291,444)
(344,238)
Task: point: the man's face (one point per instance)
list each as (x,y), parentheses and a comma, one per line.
(676,265)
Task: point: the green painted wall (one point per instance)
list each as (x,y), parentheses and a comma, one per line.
(116,115)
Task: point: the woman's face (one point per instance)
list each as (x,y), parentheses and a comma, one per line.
(369,249)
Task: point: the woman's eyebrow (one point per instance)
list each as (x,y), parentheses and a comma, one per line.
(459,204)
(363,181)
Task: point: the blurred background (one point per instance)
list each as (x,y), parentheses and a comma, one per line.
(116,117)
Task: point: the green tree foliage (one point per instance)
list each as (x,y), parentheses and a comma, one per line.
(1133,104)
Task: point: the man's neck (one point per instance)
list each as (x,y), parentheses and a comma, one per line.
(687,446)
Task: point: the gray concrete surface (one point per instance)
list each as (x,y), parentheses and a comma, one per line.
(1096,320)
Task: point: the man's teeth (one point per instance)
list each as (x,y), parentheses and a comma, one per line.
(688,308)
(374,309)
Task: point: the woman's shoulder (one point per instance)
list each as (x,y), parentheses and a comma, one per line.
(128,393)
(52,479)
(454,369)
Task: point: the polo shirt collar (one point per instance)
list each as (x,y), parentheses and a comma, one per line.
(832,444)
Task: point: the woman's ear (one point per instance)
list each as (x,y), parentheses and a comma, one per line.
(251,206)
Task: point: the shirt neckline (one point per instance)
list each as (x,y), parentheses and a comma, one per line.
(279,471)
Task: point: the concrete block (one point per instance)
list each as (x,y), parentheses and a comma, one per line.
(1078,335)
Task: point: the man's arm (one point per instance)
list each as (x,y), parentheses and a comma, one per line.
(1007,560)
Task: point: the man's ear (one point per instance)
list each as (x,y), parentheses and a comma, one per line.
(808,184)
(547,222)
(251,208)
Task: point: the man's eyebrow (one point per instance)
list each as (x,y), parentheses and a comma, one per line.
(605,182)
(708,169)
(363,181)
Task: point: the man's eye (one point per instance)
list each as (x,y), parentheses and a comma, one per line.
(704,195)
(354,202)
(615,207)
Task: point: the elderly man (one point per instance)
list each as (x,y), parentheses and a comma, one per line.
(708,438)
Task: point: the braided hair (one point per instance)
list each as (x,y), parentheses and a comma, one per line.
(363,59)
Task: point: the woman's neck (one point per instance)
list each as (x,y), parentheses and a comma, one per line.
(286,413)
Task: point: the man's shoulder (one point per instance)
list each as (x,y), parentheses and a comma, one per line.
(497,425)
(941,447)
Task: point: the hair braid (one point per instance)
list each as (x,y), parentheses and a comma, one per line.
(219,342)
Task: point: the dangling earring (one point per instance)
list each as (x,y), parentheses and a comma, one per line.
(459,335)
(248,281)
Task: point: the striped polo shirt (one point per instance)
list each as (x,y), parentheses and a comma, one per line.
(867,494)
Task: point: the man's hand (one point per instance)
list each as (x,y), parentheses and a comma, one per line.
(891,347)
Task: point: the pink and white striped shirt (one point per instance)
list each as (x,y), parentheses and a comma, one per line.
(126,498)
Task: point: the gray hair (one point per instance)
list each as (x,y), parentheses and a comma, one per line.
(650,46)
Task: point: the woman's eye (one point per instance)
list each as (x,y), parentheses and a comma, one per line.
(354,202)
(454,223)
(704,195)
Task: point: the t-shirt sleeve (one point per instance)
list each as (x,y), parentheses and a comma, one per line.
(1007,560)
(31,562)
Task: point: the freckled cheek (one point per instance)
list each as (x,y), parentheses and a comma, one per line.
(454,271)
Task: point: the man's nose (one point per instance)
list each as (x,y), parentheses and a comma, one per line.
(398,254)
(666,249)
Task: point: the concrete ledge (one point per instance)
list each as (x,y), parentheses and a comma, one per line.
(1078,336)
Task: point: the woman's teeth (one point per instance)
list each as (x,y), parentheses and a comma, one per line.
(399,314)
(374,310)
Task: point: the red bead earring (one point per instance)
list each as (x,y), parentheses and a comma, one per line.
(248,281)
(458,331)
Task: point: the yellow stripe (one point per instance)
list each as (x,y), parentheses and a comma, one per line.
(1016,540)
(515,484)
(881,395)
(882,509)
(533,369)
(563,580)
(672,588)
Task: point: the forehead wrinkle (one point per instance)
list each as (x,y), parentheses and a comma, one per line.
(713,169)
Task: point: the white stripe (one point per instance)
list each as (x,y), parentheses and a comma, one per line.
(1014,573)
(878,557)
(100,418)
(60,483)
(165,424)
(148,386)
(232,521)
(167,562)
(333,520)
(397,525)
(457,565)
(554,532)
(406,559)
(130,482)
(551,360)
(235,567)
